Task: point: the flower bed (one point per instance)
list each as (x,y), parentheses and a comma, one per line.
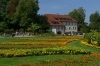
(90,45)
(44,51)
(39,46)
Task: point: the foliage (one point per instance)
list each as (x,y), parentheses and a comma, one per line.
(11,7)
(90,45)
(34,27)
(3,4)
(93,37)
(12,30)
(43,23)
(95,21)
(3,26)
(29,29)
(44,51)
(26,11)
(79,16)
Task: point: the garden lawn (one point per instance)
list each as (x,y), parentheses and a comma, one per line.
(42,59)
(7,39)
(31,59)
(78,44)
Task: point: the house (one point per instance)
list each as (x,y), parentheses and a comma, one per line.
(61,24)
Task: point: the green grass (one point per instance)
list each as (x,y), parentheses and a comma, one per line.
(31,59)
(78,44)
(7,39)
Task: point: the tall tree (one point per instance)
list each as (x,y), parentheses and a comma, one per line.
(79,15)
(26,12)
(11,8)
(42,21)
(3,13)
(95,21)
(3,4)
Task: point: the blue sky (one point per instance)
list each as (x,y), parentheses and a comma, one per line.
(66,6)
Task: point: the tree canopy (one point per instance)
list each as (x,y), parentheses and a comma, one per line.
(95,21)
(79,16)
(25,12)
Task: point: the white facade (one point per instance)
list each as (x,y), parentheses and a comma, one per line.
(56,29)
(69,27)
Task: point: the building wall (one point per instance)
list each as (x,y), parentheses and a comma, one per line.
(56,29)
(70,26)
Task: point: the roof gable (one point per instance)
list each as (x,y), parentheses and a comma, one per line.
(56,19)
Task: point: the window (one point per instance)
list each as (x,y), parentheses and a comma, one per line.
(72,23)
(75,23)
(61,27)
(55,22)
(60,18)
(69,23)
(73,28)
(56,18)
(64,18)
(66,23)
(69,28)
(58,27)
(70,19)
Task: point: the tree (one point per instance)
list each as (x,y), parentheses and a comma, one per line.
(95,21)
(79,15)
(11,7)
(42,21)
(26,11)
(3,26)
(3,4)
(35,27)
(4,19)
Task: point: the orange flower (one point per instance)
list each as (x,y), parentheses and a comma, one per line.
(63,45)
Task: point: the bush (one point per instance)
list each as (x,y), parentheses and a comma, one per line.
(93,37)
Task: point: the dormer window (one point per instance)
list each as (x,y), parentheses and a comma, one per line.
(64,18)
(70,19)
(56,18)
(55,22)
(60,18)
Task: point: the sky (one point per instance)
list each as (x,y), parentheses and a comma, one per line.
(66,6)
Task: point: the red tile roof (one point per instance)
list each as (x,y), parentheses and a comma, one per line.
(57,19)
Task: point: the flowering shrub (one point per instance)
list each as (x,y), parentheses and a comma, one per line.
(90,45)
(92,38)
(44,51)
